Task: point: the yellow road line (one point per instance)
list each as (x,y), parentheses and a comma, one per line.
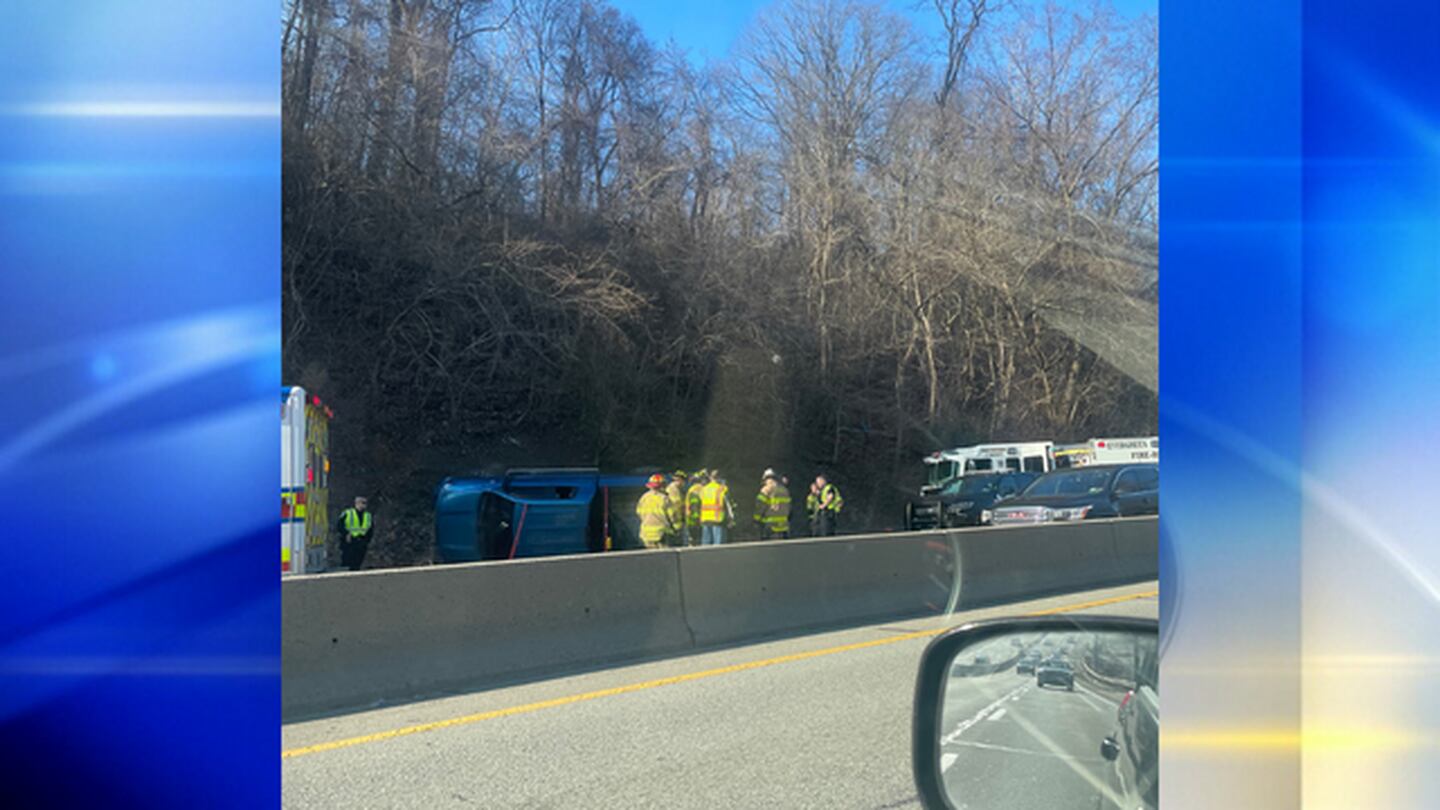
(1098,602)
(651,684)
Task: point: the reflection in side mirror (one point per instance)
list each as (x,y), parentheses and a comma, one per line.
(1109,749)
(1016,708)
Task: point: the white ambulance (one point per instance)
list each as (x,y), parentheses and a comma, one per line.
(304,481)
(1126,451)
(948,465)
(1136,450)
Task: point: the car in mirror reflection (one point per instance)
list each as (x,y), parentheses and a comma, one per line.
(1055,672)
(1083,734)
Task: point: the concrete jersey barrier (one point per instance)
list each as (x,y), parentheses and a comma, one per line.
(1003,564)
(734,593)
(353,638)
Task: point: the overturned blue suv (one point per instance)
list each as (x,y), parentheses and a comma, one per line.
(536,513)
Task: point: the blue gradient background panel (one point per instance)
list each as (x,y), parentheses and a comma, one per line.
(1300,159)
(1371,560)
(1230,402)
(140,358)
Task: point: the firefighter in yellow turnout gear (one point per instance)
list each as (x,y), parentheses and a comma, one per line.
(675,498)
(692,505)
(654,512)
(772,508)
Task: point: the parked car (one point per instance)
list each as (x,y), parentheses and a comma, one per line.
(964,501)
(1109,490)
(1055,672)
(1026,664)
(1133,749)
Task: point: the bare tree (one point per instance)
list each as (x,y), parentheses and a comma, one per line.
(824,76)
(961,21)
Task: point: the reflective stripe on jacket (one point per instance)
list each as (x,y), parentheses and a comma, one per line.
(675,498)
(773,509)
(692,504)
(714,505)
(654,513)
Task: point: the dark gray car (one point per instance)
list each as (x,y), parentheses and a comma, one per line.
(1055,673)
(1080,493)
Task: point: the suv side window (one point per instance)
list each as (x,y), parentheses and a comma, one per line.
(1149,478)
(1127,481)
(1009,485)
(1136,479)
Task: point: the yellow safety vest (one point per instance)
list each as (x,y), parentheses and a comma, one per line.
(837,503)
(712,503)
(356,524)
(654,517)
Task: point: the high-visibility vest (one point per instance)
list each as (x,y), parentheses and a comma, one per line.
(773,510)
(837,502)
(812,504)
(356,523)
(654,516)
(675,498)
(692,504)
(713,507)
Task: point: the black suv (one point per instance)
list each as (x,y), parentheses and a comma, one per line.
(963,501)
(1078,493)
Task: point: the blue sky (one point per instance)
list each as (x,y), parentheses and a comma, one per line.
(707,29)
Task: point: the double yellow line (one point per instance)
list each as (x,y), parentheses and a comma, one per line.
(658,682)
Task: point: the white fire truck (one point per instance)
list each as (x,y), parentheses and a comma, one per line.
(304,481)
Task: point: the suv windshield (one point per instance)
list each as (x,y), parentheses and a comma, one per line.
(1071,482)
(974,485)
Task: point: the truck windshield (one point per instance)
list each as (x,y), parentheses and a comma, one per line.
(942,472)
(974,485)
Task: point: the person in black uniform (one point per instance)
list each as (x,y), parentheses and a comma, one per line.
(354,528)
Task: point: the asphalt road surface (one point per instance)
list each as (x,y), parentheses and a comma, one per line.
(819,721)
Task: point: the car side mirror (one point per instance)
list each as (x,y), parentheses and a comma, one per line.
(1109,749)
(977,725)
